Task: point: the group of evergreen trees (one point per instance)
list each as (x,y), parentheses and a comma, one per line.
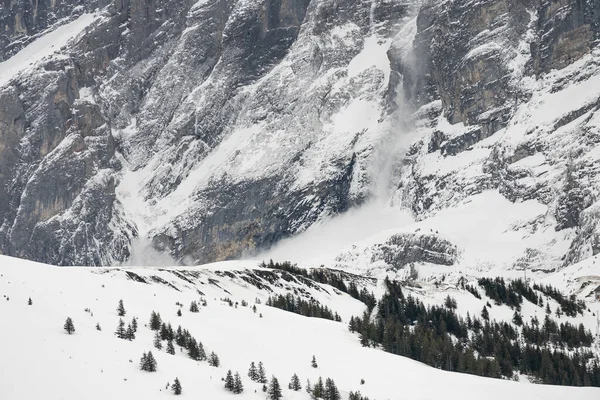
(234,383)
(126,333)
(327,277)
(181,337)
(300,306)
(257,374)
(405,326)
(148,362)
(325,391)
(570,306)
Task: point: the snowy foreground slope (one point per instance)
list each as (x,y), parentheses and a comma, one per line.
(39,360)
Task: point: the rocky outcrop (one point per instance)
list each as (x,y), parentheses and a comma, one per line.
(403,249)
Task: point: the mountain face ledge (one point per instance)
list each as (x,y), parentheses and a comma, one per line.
(218,127)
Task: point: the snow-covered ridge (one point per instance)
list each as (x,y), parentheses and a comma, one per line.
(284,342)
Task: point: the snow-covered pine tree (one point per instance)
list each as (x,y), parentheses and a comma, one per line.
(134,324)
(213,360)
(69,326)
(295,383)
(194,307)
(238,387)
(120,332)
(179,312)
(151,362)
(170,347)
(157,341)
(201,352)
(331,391)
(155,322)
(262,374)
(29,302)
(229,381)
(177,387)
(98,328)
(193,352)
(274,389)
(313,363)
(252,372)
(144,362)
(318,390)
(129,333)
(121,309)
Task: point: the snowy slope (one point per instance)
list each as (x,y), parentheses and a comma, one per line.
(95,364)
(26,60)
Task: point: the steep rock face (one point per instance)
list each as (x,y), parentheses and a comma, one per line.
(218,127)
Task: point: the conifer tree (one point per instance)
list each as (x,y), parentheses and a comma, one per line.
(229,381)
(155,322)
(238,386)
(120,332)
(274,389)
(157,341)
(252,372)
(517,319)
(98,328)
(176,387)
(121,309)
(331,391)
(313,363)
(143,361)
(193,351)
(485,314)
(213,360)
(170,347)
(69,326)
(295,383)
(318,390)
(134,324)
(29,302)
(179,312)
(170,333)
(180,337)
(262,374)
(129,333)
(308,387)
(201,352)
(148,362)
(194,307)
(164,332)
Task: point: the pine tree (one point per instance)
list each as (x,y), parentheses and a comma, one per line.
(134,324)
(213,360)
(517,319)
(98,328)
(177,387)
(194,307)
(129,333)
(170,347)
(295,383)
(485,314)
(313,363)
(201,352)
(157,341)
(238,387)
(29,302)
(164,332)
(331,391)
(193,351)
(229,381)
(121,309)
(69,326)
(262,374)
(252,372)
(120,332)
(144,362)
(179,312)
(274,389)
(318,389)
(155,322)
(148,362)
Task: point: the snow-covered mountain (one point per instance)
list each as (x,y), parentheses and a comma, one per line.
(41,360)
(214,129)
